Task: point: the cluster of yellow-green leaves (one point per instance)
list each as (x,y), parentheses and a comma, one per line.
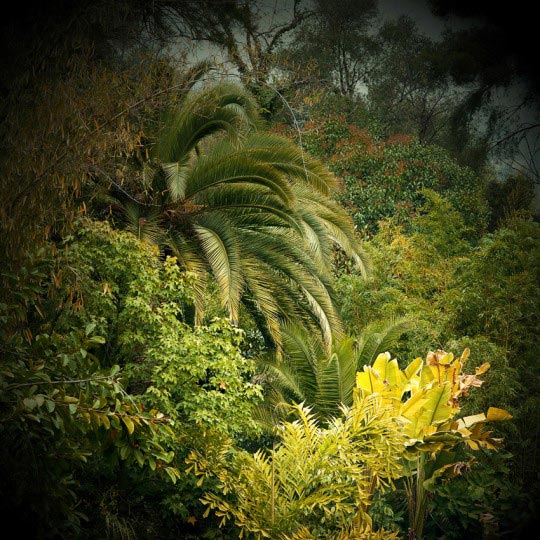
(318,482)
(99,362)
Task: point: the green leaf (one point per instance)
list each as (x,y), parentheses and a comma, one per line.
(29,403)
(89,328)
(171,472)
(115,370)
(124,451)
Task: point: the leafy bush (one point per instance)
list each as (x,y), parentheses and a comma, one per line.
(314,483)
(382,179)
(101,376)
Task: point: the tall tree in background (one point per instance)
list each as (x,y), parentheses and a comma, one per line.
(249,33)
(496,57)
(338,41)
(408,89)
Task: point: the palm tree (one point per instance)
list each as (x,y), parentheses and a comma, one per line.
(248,207)
(321,378)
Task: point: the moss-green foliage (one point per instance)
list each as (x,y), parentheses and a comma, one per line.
(102,377)
(497,296)
(383,179)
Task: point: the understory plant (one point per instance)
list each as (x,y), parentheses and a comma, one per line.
(315,482)
(319,482)
(426,395)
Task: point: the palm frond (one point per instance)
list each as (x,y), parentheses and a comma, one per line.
(284,253)
(379,337)
(249,206)
(338,225)
(221,108)
(346,366)
(145,223)
(225,167)
(175,178)
(219,242)
(188,255)
(290,160)
(324,378)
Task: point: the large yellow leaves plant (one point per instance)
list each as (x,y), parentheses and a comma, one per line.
(425,396)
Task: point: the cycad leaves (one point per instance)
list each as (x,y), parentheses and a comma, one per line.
(324,378)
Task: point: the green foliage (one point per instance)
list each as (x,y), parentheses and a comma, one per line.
(105,307)
(200,377)
(59,404)
(472,499)
(499,289)
(314,480)
(505,198)
(497,296)
(420,404)
(106,387)
(412,272)
(386,179)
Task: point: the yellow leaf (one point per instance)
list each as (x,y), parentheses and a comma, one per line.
(129,424)
(472,444)
(482,369)
(413,404)
(446,359)
(413,368)
(381,362)
(468,421)
(495,414)
(466,433)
